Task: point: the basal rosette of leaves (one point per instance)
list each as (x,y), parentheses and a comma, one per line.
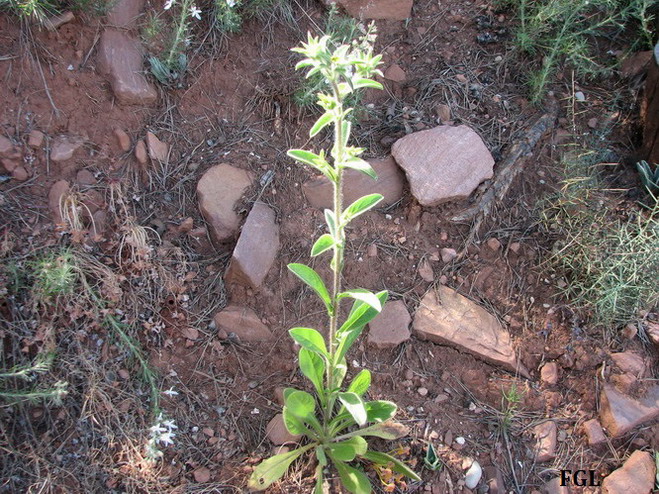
(336,420)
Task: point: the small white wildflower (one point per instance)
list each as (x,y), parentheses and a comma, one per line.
(168,4)
(170,392)
(231,3)
(195,12)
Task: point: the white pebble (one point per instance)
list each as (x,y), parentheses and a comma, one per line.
(473,475)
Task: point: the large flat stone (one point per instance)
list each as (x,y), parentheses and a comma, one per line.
(120,57)
(636,476)
(124,13)
(443,164)
(242,322)
(448,318)
(620,413)
(218,192)
(395,10)
(390,183)
(391,327)
(256,249)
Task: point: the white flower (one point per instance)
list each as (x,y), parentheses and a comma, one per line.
(231,3)
(170,392)
(168,4)
(195,12)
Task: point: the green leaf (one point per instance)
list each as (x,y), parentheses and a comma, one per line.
(320,454)
(310,339)
(361,313)
(314,160)
(365,83)
(380,410)
(340,371)
(272,469)
(324,243)
(330,219)
(354,405)
(347,450)
(312,366)
(361,166)
(320,124)
(313,279)
(293,423)
(432,461)
(389,430)
(300,403)
(396,465)
(352,479)
(365,296)
(360,206)
(318,489)
(360,383)
(345,131)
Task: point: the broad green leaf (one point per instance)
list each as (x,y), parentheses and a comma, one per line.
(352,479)
(313,160)
(346,339)
(319,479)
(312,366)
(380,411)
(347,450)
(365,296)
(340,371)
(361,166)
(274,468)
(365,83)
(324,243)
(330,219)
(388,460)
(300,403)
(361,314)
(320,124)
(360,383)
(360,206)
(386,430)
(355,406)
(320,454)
(345,131)
(293,423)
(313,279)
(310,339)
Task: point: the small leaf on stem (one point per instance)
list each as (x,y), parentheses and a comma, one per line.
(355,406)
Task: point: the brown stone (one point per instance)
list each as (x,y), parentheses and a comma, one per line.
(396,10)
(140,152)
(9,164)
(391,327)
(457,321)
(256,249)
(594,432)
(443,164)
(635,64)
(19,173)
(202,474)
(123,138)
(218,191)
(549,373)
(443,113)
(494,244)
(63,148)
(244,323)
(7,149)
(448,254)
(636,476)
(546,441)
(35,139)
(277,432)
(120,57)
(554,487)
(425,271)
(158,150)
(390,183)
(395,73)
(58,189)
(85,177)
(630,362)
(124,13)
(619,413)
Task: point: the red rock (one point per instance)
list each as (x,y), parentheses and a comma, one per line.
(594,433)
(546,441)
(396,10)
(19,173)
(218,192)
(494,244)
(426,272)
(390,183)
(277,433)
(7,149)
(443,164)
(35,139)
(63,148)
(100,222)
(158,150)
(256,249)
(630,362)
(652,330)
(395,73)
(85,177)
(554,487)
(391,327)
(123,138)
(120,58)
(443,113)
(55,194)
(9,164)
(635,64)
(124,13)
(244,323)
(636,476)
(202,474)
(140,152)
(619,413)
(549,373)
(448,254)
(457,321)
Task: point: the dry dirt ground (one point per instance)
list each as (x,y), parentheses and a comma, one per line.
(236,106)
